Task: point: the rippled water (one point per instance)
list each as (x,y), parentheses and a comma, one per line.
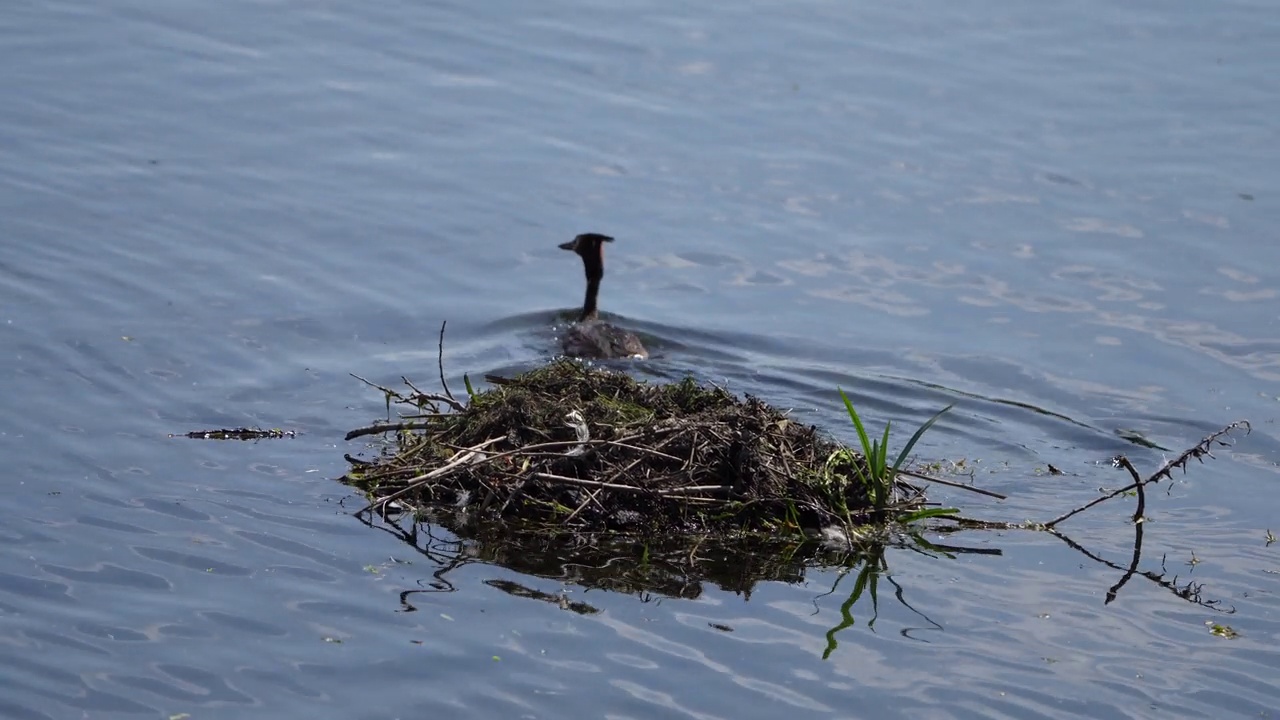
(1060,218)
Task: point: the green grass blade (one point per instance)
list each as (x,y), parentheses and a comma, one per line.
(857,423)
(911,517)
(927,546)
(906,449)
(883,456)
(860,583)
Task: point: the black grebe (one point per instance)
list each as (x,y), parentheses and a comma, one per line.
(589,337)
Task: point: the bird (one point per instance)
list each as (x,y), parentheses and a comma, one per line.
(590,337)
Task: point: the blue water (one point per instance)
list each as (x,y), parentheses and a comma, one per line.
(1059,218)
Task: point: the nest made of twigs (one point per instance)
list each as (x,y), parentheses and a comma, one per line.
(577,447)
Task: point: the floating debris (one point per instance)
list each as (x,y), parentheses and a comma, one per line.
(242,433)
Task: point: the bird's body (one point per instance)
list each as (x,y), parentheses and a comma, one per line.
(598,339)
(591,337)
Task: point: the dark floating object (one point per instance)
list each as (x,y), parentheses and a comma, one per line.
(560,600)
(591,337)
(1137,438)
(242,433)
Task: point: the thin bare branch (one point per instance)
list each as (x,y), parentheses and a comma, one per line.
(954,484)
(453,402)
(1196,451)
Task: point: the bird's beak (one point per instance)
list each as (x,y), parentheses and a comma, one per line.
(571,245)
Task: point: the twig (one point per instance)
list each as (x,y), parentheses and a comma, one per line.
(626,469)
(590,499)
(589,483)
(954,484)
(1200,449)
(440,362)
(460,457)
(1123,462)
(444,399)
(387,390)
(384,427)
(432,397)
(1196,451)
(637,448)
(690,489)
(462,453)
(412,387)
(516,492)
(1091,503)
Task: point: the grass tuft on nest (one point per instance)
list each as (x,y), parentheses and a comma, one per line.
(574,447)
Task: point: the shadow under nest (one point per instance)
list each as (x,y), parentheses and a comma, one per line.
(573,447)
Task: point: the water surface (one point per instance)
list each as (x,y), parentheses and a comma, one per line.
(1058,218)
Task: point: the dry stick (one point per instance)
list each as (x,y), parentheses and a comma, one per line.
(552,444)
(1123,462)
(384,427)
(590,499)
(462,456)
(786,466)
(641,449)
(689,489)
(404,507)
(506,453)
(516,492)
(1199,449)
(589,483)
(487,459)
(431,397)
(411,385)
(488,495)
(387,390)
(542,446)
(440,362)
(386,476)
(954,484)
(1101,499)
(690,500)
(693,552)
(637,461)
(408,401)
(1202,448)
(668,492)
(625,470)
(389,393)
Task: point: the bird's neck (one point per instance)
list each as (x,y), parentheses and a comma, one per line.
(589,311)
(594,267)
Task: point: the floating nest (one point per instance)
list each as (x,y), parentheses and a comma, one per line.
(573,447)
